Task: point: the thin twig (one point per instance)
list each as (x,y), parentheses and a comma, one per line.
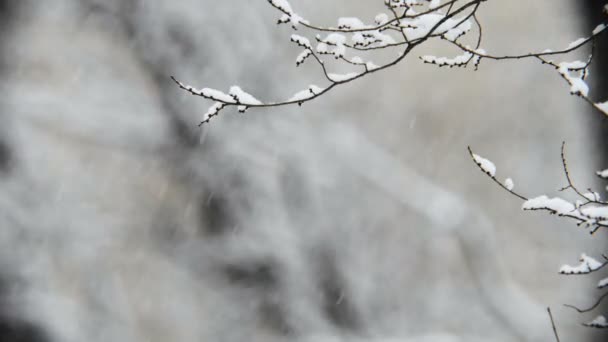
(553,325)
(524,198)
(592,307)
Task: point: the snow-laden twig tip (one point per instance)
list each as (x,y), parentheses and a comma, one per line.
(599,322)
(555,204)
(587,265)
(486,165)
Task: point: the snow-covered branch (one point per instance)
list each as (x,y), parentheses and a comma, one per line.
(350,35)
(587,209)
(405,25)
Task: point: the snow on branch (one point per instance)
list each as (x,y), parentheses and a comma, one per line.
(587,265)
(587,209)
(598,322)
(484,164)
(405,25)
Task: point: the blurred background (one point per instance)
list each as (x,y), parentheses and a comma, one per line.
(356,217)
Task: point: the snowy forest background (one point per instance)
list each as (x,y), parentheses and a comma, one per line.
(356,217)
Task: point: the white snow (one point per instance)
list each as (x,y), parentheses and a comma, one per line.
(301,41)
(576,43)
(598,322)
(342,77)
(322,48)
(599,28)
(486,165)
(592,196)
(352,23)
(595,212)
(357,60)
(335,38)
(572,65)
(602,283)
(213,110)
(458,31)
(242,97)
(283,5)
(303,56)
(421,26)
(434,4)
(603,106)
(577,84)
(306,93)
(217,95)
(442,61)
(333,43)
(339,51)
(556,204)
(372,38)
(587,265)
(509,184)
(381,19)
(209,93)
(603,173)
(371,66)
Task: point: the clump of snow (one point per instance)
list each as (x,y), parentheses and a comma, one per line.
(371,38)
(303,56)
(243,97)
(421,26)
(556,204)
(370,66)
(577,84)
(301,41)
(322,48)
(381,19)
(592,196)
(598,322)
(209,93)
(509,184)
(587,265)
(306,93)
(599,28)
(595,212)
(603,173)
(339,78)
(434,4)
(357,60)
(486,165)
(602,283)
(572,65)
(283,5)
(213,111)
(336,40)
(458,31)
(351,23)
(216,95)
(576,43)
(603,106)
(460,60)
(289,15)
